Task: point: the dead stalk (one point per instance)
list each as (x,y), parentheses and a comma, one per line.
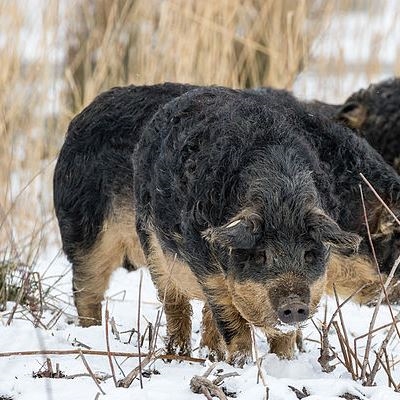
(138,329)
(99,353)
(127,381)
(382,295)
(91,373)
(261,372)
(107,320)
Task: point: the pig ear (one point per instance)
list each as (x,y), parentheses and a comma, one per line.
(353,114)
(325,229)
(241,232)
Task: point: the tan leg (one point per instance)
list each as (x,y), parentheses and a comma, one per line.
(283,344)
(178,312)
(211,339)
(176,302)
(89,288)
(92,269)
(299,340)
(90,281)
(240,347)
(232,326)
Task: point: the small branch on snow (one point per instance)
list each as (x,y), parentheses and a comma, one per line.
(91,373)
(202,385)
(100,353)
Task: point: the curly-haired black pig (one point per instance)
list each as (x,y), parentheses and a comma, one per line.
(375,114)
(243,199)
(93,189)
(95,205)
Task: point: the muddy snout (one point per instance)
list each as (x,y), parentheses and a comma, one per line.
(293,310)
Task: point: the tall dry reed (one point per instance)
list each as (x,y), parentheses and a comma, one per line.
(229,42)
(57,57)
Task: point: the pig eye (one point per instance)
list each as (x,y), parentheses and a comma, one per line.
(260,257)
(309,256)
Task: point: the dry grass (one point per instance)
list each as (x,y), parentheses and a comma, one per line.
(56,58)
(234,43)
(78,51)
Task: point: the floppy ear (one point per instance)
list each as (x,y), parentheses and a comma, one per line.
(325,229)
(241,232)
(353,114)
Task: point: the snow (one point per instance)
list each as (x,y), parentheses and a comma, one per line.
(173,380)
(357,49)
(355,43)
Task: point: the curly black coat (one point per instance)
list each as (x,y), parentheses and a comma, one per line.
(226,138)
(94,165)
(246,188)
(375,114)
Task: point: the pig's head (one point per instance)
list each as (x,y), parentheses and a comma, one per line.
(276,265)
(374,113)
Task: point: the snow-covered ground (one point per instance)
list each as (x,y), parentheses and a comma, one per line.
(170,380)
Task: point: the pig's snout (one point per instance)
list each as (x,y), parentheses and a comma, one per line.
(292,310)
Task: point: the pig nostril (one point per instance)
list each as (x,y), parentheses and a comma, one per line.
(293,313)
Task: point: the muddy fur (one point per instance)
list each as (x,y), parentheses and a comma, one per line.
(252,192)
(95,207)
(93,189)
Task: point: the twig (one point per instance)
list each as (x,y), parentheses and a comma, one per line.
(210,369)
(344,343)
(342,304)
(101,353)
(21,292)
(107,317)
(77,343)
(100,378)
(127,381)
(201,384)
(382,349)
(258,363)
(387,370)
(395,265)
(91,373)
(38,316)
(220,378)
(300,394)
(379,198)
(198,384)
(114,329)
(384,286)
(325,358)
(138,330)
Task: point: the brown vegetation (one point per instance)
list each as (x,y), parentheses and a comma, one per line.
(56,58)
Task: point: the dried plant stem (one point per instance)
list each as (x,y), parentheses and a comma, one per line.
(107,320)
(371,377)
(99,353)
(382,295)
(387,370)
(261,372)
(379,198)
(139,345)
(201,384)
(127,381)
(91,373)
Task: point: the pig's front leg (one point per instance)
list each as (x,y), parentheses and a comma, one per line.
(233,328)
